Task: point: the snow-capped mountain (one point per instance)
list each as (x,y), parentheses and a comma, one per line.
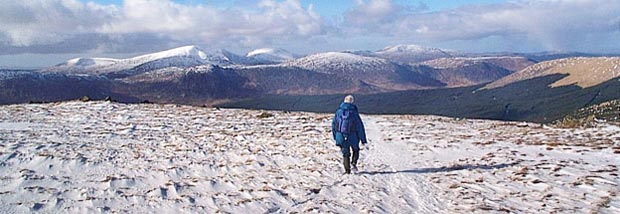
(186,56)
(167,74)
(182,57)
(186,51)
(341,63)
(412,53)
(82,65)
(270,55)
(89,62)
(372,70)
(191,75)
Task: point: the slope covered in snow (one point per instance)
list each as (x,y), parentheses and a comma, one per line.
(375,71)
(89,62)
(270,55)
(410,49)
(109,157)
(185,51)
(82,65)
(337,62)
(412,53)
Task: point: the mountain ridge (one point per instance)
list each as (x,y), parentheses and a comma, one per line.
(186,75)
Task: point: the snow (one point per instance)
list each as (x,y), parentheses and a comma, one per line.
(412,53)
(186,56)
(34,75)
(339,57)
(90,62)
(414,50)
(12,74)
(110,157)
(15,126)
(498,166)
(182,57)
(270,55)
(166,74)
(261,51)
(185,51)
(408,48)
(338,62)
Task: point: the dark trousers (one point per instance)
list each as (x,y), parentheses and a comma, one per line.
(346,148)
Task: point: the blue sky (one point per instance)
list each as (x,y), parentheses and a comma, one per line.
(52,31)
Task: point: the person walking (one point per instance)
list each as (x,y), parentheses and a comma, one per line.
(348,131)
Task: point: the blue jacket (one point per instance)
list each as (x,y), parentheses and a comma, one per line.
(355,138)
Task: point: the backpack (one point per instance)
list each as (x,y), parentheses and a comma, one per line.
(346,122)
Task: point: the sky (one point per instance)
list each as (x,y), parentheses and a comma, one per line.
(36,33)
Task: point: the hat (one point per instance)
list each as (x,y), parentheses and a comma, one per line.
(349,99)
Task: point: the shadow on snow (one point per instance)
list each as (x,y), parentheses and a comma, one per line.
(442,169)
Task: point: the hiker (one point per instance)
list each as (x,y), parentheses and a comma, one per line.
(348,130)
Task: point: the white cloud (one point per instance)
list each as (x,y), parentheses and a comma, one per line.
(553,24)
(32,22)
(48,22)
(67,26)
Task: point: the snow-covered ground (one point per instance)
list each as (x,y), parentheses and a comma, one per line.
(110,157)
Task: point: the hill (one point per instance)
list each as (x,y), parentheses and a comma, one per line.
(607,111)
(455,84)
(538,93)
(370,70)
(182,57)
(584,72)
(412,53)
(468,71)
(22,86)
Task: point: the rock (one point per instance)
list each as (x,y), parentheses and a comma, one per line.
(264,115)
(315,190)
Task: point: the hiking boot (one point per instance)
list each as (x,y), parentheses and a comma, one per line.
(354,168)
(356,156)
(347,165)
